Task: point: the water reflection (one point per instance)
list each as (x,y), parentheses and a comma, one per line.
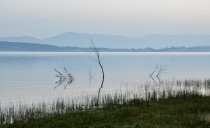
(30,76)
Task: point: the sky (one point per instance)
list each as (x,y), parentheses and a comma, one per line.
(131,18)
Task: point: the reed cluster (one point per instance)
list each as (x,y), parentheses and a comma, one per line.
(171,104)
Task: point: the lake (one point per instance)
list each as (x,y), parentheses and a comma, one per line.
(30,76)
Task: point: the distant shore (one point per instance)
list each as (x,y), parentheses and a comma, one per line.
(33,47)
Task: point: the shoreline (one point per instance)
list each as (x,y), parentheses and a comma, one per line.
(169,108)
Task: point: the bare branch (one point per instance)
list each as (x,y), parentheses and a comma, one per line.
(162,70)
(153,80)
(63,77)
(96,51)
(153,71)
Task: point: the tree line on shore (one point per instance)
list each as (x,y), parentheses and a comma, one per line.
(33,47)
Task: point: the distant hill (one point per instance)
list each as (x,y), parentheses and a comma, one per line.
(32,47)
(20,39)
(120,42)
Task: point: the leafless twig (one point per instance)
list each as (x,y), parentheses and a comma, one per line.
(153,71)
(63,77)
(151,75)
(96,51)
(162,70)
(153,80)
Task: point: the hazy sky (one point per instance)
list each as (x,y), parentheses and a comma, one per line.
(132,18)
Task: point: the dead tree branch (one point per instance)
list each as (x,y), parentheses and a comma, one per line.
(63,77)
(153,80)
(162,70)
(96,51)
(154,71)
(151,75)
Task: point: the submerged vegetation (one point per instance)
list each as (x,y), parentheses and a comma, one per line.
(172,104)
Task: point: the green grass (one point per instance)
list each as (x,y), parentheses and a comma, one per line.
(168,109)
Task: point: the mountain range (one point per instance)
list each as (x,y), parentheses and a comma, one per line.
(155,41)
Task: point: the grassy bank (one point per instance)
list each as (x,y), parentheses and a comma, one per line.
(184,108)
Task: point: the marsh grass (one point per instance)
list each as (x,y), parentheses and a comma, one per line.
(174,104)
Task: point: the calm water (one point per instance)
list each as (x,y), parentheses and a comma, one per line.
(27,76)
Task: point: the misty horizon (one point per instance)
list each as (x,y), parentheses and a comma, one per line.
(107,35)
(119,42)
(42,19)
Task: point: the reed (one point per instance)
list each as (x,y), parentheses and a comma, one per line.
(173,104)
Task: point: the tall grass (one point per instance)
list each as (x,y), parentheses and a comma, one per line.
(189,89)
